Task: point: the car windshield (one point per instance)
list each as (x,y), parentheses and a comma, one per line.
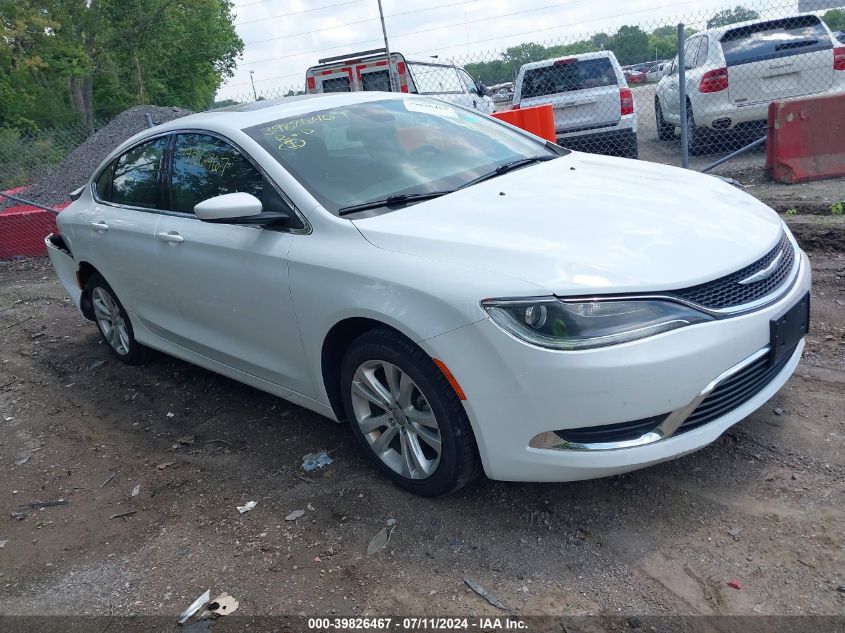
(378,150)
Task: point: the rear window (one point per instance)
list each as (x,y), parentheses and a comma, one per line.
(567,75)
(375,80)
(336,84)
(777,38)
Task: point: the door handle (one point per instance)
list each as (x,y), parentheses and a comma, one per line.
(99,226)
(172,237)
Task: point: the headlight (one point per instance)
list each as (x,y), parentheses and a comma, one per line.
(550,322)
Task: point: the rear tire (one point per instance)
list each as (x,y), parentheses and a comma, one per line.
(697,138)
(665,131)
(113,322)
(406,416)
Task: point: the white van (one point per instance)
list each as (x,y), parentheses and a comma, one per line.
(373,70)
(593,106)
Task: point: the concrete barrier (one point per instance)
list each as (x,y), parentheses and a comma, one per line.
(806,139)
(539,120)
(23,229)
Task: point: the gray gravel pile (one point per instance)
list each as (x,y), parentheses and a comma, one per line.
(78,166)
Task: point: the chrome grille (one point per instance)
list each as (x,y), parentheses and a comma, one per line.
(727,292)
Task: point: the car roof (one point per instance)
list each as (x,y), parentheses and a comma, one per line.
(579,56)
(246,115)
(719,31)
(233,119)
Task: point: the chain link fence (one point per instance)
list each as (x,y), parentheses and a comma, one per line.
(28,155)
(683,91)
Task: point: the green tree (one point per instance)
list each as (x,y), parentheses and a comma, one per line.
(224,103)
(524,54)
(600,41)
(835,19)
(630,45)
(732,16)
(97,57)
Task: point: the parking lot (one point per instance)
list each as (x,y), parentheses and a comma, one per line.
(669,152)
(753,524)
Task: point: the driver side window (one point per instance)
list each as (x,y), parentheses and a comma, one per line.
(204,167)
(469,82)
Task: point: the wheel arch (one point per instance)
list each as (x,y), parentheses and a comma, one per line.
(84,272)
(335,344)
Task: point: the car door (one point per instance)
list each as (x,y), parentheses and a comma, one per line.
(228,282)
(479,102)
(667,91)
(671,98)
(119,228)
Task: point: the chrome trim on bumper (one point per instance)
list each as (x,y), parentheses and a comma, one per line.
(550,440)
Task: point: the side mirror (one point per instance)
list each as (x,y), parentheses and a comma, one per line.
(482,89)
(231,206)
(238,208)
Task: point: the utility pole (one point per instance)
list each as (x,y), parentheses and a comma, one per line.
(252,81)
(386,48)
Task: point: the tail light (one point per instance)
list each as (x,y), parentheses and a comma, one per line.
(626,101)
(714,81)
(311,84)
(839,58)
(515,106)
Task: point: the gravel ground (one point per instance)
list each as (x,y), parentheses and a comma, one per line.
(78,166)
(752,524)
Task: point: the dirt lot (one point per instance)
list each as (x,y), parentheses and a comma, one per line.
(763,507)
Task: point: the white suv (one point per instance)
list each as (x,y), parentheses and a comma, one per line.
(593,106)
(734,72)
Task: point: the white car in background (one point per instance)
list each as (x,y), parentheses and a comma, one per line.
(734,72)
(462,293)
(655,71)
(594,109)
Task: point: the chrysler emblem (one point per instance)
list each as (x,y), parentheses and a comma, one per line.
(767,272)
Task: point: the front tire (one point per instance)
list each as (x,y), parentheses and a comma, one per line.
(406,415)
(113,322)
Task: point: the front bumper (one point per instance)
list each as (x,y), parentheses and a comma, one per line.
(517,392)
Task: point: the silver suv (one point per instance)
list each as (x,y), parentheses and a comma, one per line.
(593,106)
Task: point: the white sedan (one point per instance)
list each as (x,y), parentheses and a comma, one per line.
(464,294)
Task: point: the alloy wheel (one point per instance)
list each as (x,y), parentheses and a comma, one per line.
(110,320)
(395,418)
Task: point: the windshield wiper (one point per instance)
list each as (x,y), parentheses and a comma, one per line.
(391,201)
(506,167)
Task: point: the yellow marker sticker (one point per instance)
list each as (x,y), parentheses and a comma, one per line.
(207,160)
(289,134)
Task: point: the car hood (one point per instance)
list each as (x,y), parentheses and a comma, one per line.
(585,223)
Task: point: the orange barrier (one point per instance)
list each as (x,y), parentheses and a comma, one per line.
(806,139)
(539,120)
